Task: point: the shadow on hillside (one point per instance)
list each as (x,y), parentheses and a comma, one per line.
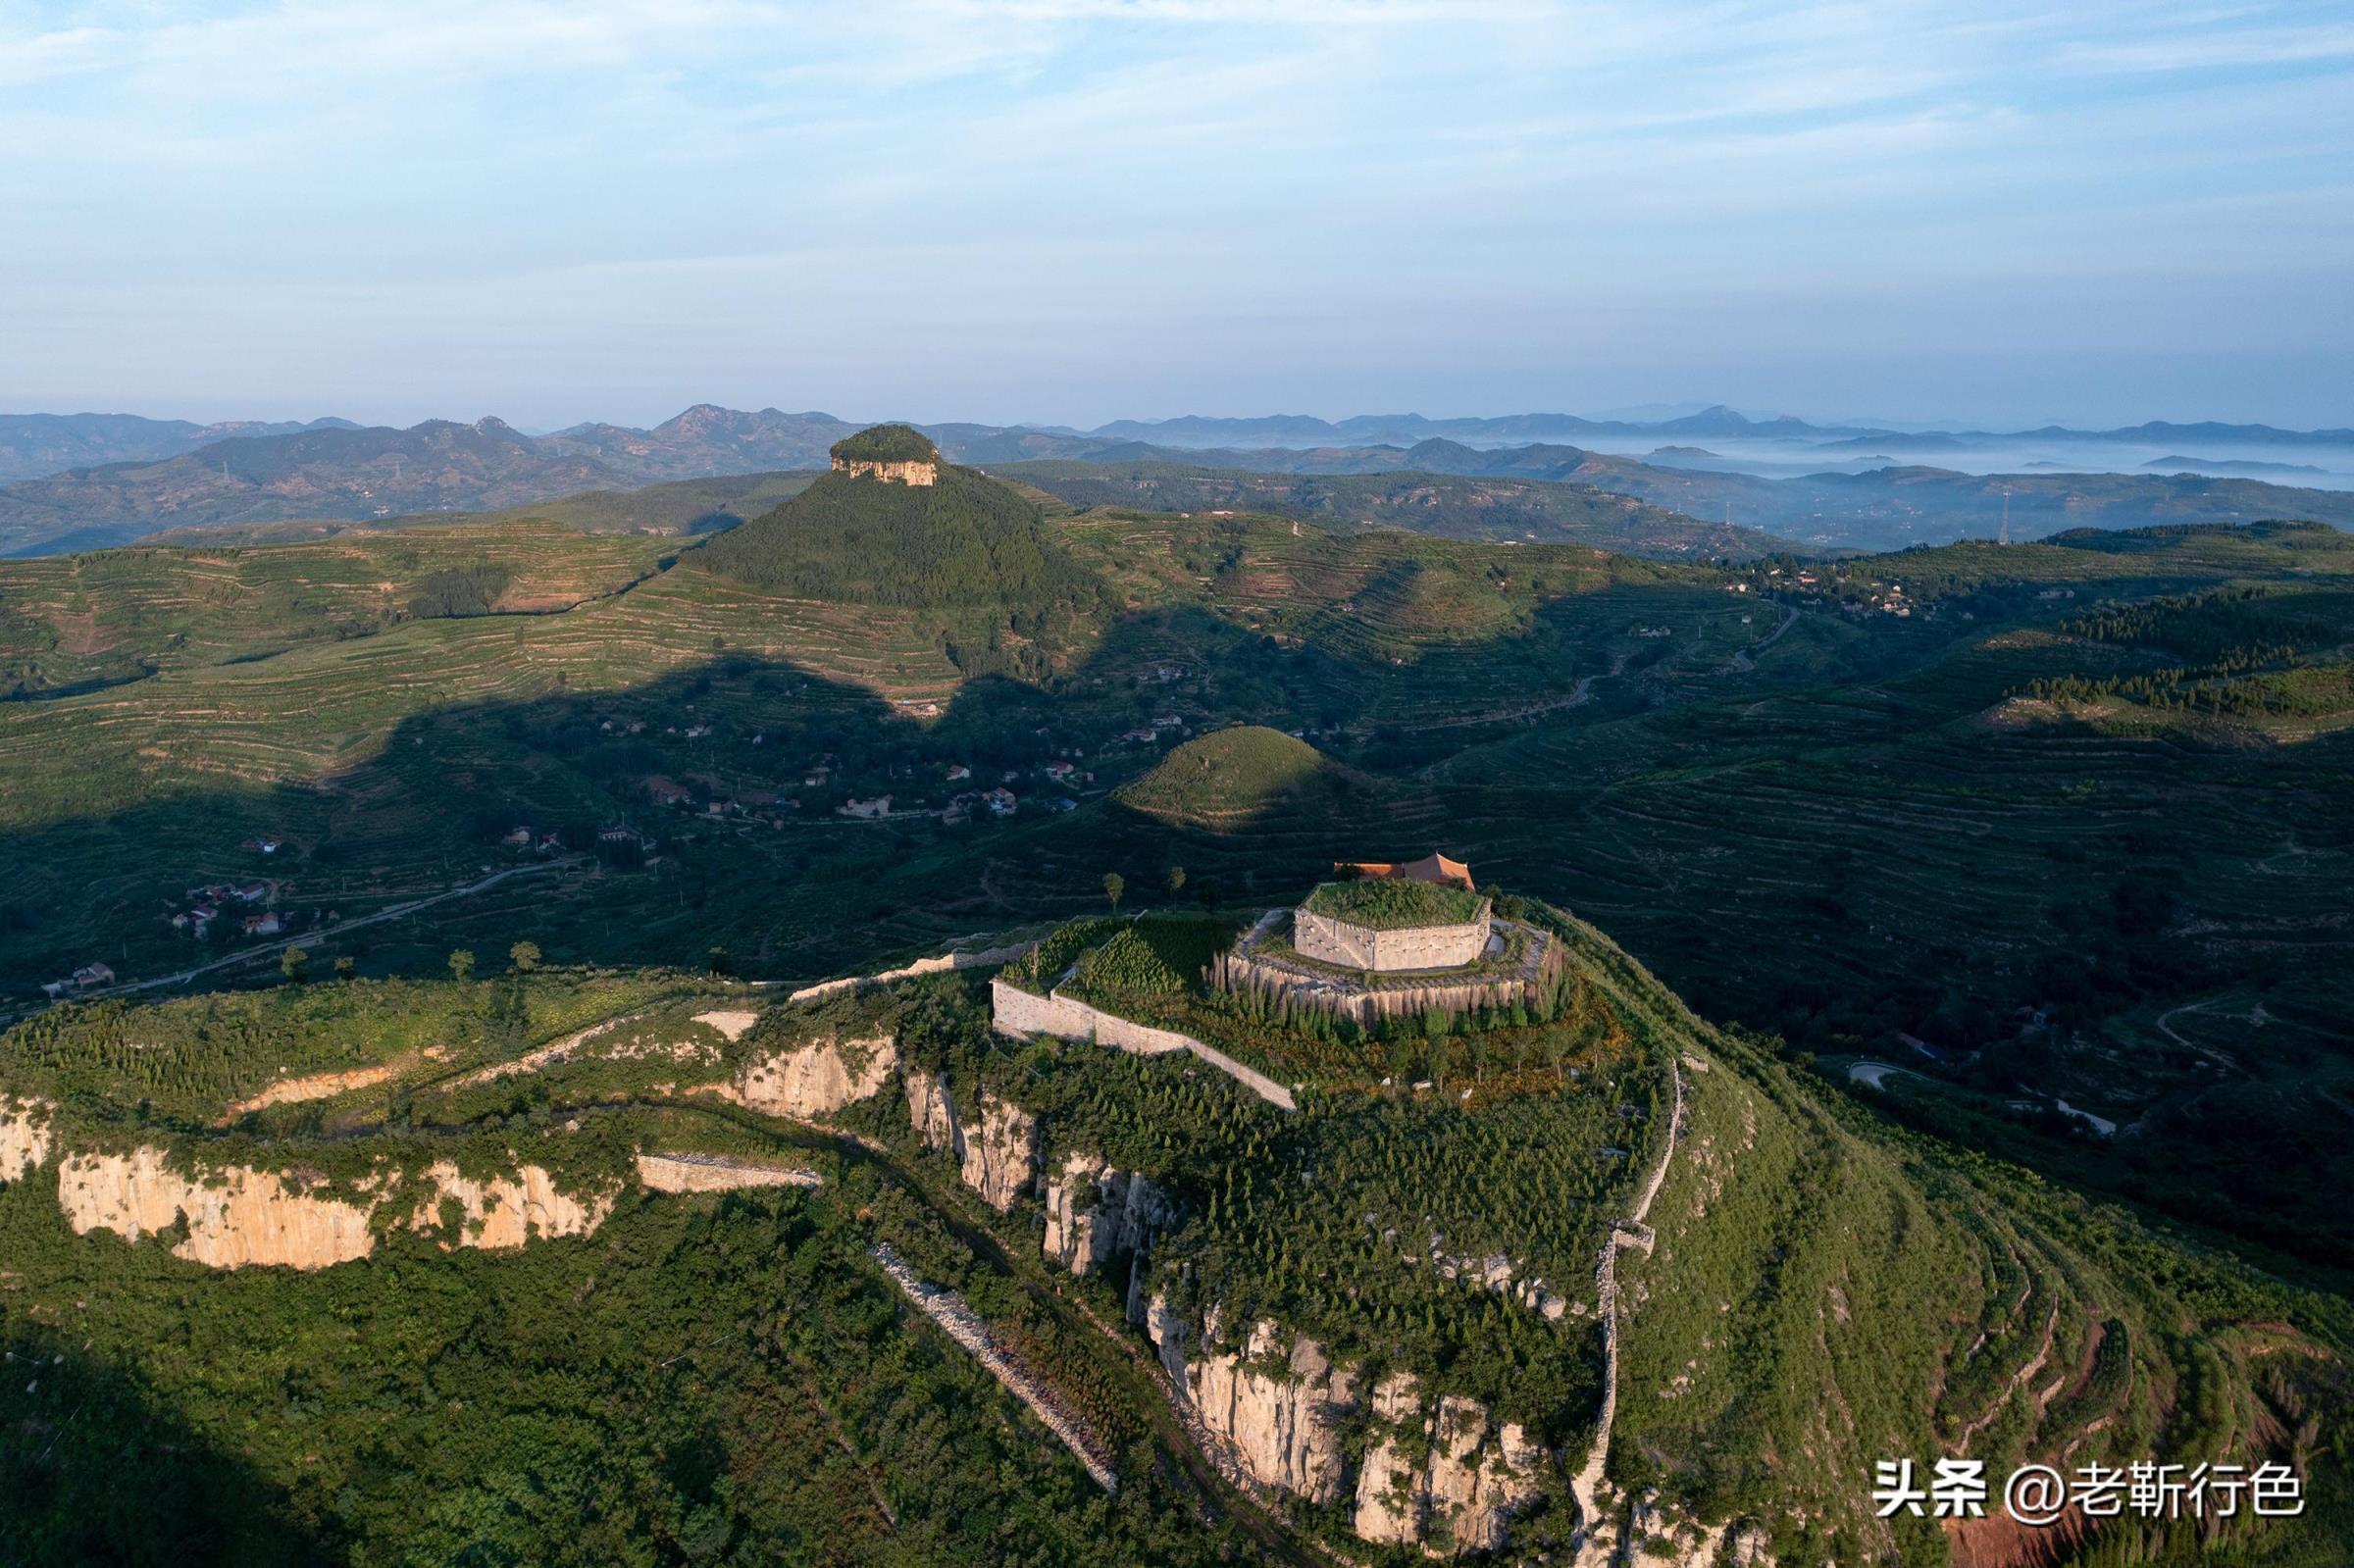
(426,810)
(92,1472)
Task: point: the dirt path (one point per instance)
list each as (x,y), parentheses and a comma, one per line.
(2018,1378)
(1745,660)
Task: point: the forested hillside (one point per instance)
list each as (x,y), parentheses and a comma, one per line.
(690,1338)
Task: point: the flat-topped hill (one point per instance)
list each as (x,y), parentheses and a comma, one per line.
(963,539)
(884,444)
(1380,903)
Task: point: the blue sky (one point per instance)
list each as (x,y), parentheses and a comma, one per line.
(1077,210)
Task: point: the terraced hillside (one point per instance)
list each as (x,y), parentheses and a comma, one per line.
(1974,825)
(859,1277)
(81,621)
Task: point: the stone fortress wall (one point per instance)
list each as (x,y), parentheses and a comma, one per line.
(1017,1011)
(1348,945)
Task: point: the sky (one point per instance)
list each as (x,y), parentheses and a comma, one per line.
(1071,211)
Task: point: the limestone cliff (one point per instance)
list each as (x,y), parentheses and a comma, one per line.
(235,1217)
(1096,1211)
(816,1080)
(25,1140)
(932,1113)
(1277,1411)
(998,1155)
(508,1210)
(1445,1479)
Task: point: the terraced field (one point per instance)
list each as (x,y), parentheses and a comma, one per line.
(1838,823)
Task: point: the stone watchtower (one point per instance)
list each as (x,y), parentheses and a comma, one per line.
(893,454)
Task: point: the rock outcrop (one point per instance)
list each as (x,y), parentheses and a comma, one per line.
(911,473)
(508,1210)
(1446,1479)
(24,1137)
(1460,1495)
(234,1218)
(1096,1211)
(932,1113)
(818,1078)
(998,1155)
(1278,1411)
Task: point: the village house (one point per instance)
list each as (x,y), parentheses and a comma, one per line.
(620,836)
(1058,771)
(666,791)
(94,973)
(264,924)
(252,892)
(1000,802)
(958,771)
(880,806)
(518,836)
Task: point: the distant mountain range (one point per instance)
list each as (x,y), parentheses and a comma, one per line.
(332,470)
(1295,430)
(34,444)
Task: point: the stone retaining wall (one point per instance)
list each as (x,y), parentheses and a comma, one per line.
(922,965)
(1349,945)
(1018,1012)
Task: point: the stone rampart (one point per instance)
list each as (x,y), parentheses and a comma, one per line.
(1018,1012)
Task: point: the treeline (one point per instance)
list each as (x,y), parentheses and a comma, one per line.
(2229,629)
(458,592)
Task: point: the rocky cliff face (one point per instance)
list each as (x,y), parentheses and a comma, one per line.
(932,1113)
(506,1211)
(999,1154)
(237,1217)
(917,473)
(25,1142)
(1459,1492)
(1276,1410)
(1096,1211)
(234,1217)
(817,1080)
(1446,1479)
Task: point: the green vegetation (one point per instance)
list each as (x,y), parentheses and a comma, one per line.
(887,443)
(965,543)
(1386,903)
(1230,777)
(729,1379)
(1163,953)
